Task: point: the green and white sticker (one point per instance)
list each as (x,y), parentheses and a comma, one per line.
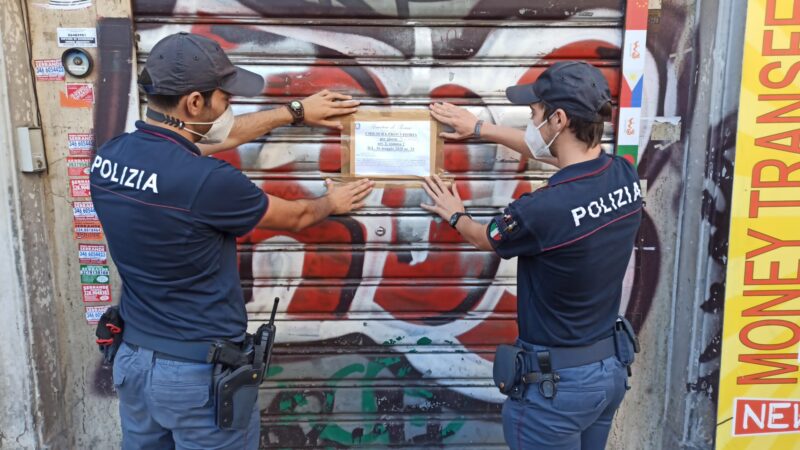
(93,274)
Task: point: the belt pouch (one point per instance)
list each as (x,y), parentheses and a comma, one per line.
(507,369)
(624,340)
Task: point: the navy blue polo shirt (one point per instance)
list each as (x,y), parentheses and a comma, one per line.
(573,239)
(171,218)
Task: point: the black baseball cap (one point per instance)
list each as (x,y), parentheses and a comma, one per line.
(185,62)
(576,87)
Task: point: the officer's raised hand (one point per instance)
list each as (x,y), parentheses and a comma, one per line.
(319,110)
(467,125)
(462,121)
(322,108)
(348,196)
(295,215)
(446,202)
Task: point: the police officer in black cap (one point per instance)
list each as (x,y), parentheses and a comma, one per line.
(171,217)
(566,374)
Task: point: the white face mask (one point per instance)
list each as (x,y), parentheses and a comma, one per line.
(536,144)
(219,131)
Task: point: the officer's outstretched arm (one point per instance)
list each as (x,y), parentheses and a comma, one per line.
(321,109)
(248,127)
(463,123)
(475,233)
(294,215)
(447,202)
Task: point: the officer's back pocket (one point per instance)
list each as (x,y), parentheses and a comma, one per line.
(180,385)
(117,377)
(121,365)
(583,401)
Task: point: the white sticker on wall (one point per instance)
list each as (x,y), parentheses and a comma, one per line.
(65,4)
(77,37)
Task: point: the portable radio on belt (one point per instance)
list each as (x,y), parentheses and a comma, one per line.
(236,386)
(264,340)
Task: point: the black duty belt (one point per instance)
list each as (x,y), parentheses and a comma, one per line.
(564,357)
(523,364)
(164,356)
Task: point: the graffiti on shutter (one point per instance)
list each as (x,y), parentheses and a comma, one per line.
(389,319)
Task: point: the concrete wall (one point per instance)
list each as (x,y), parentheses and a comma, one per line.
(698,298)
(49,353)
(30,330)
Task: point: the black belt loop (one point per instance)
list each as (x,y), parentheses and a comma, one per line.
(543,358)
(548,383)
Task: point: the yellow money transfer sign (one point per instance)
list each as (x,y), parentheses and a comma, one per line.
(759,398)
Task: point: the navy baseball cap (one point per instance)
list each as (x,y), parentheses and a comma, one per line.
(185,62)
(576,87)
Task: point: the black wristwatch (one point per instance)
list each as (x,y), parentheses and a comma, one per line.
(295,107)
(454,218)
(476,132)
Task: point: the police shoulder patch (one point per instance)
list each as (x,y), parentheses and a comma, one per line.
(494,231)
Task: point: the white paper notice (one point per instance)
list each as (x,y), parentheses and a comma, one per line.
(393,148)
(76,37)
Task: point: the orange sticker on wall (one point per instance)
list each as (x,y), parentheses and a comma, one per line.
(88,231)
(79,95)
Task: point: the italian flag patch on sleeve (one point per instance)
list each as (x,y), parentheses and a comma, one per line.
(494,232)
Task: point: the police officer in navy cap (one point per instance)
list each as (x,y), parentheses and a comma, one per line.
(171,217)
(573,238)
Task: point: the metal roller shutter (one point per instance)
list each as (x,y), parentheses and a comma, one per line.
(388,319)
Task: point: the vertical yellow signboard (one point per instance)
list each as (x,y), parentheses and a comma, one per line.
(759,398)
